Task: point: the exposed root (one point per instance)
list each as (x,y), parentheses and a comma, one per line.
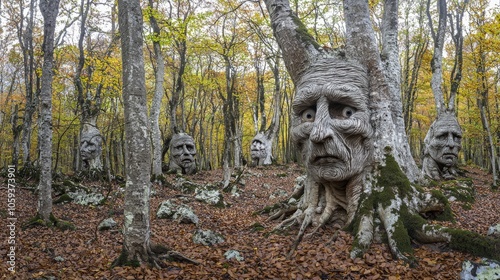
(285,210)
(153,255)
(291,221)
(308,217)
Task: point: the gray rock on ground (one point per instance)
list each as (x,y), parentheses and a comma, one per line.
(207,237)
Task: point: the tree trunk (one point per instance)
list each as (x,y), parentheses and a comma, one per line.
(137,232)
(31,83)
(392,71)
(49,10)
(154,113)
(137,247)
(16,131)
(491,145)
(437,57)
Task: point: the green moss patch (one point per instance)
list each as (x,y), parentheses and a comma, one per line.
(52,222)
(474,243)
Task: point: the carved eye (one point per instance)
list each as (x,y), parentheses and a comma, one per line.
(309,115)
(347,112)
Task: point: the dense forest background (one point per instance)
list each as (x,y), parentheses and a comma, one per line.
(221,62)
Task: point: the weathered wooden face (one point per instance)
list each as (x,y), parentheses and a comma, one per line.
(90,143)
(445,140)
(331,121)
(258,148)
(183,151)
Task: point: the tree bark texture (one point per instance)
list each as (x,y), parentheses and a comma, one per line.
(154,113)
(437,57)
(136,231)
(49,10)
(31,83)
(384,93)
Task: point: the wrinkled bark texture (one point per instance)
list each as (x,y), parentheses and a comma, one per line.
(182,154)
(91,146)
(49,10)
(261,150)
(442,145)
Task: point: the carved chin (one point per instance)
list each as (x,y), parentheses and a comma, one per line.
(448,159)
(328,169)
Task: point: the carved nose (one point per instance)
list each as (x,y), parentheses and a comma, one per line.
(449,142)
(321,131)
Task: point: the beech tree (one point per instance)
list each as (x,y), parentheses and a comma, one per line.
(49,10)
(26,26)
(347,123)
(154,113)
(137,246)
(136,229)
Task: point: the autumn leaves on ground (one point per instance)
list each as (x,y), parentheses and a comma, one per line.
(48,253)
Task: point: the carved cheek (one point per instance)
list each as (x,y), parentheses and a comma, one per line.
(301,132)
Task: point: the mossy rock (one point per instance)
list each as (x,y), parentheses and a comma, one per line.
(462,190)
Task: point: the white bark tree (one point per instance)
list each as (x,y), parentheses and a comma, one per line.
(154,113)
(49,10)
(137,246)
(352,139)
(136,229)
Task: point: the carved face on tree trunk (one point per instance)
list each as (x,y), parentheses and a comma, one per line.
(331,120)
(183,153)
(258,151)
(443,143)
(90,146)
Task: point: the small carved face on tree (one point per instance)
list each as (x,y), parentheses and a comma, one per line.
(258,151)
(90,145)
(183,153)
(331,120)
(443,143)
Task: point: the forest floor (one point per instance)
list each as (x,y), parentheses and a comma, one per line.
(37,249)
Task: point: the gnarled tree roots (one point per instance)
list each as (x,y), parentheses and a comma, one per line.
(152,255)
(392,209)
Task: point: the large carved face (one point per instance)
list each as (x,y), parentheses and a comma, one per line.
(183,151)
(90,144)
(258,148)
(331,121)
(444,141)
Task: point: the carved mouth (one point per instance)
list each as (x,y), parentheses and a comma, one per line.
(328,159)
(448,155)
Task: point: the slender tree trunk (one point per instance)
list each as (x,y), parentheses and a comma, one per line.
(16,132)
(491,145)
(31,83)
(154,114)
(49,10)
(136,230)
(437,57)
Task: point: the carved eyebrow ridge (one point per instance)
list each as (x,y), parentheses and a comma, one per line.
(344,94)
